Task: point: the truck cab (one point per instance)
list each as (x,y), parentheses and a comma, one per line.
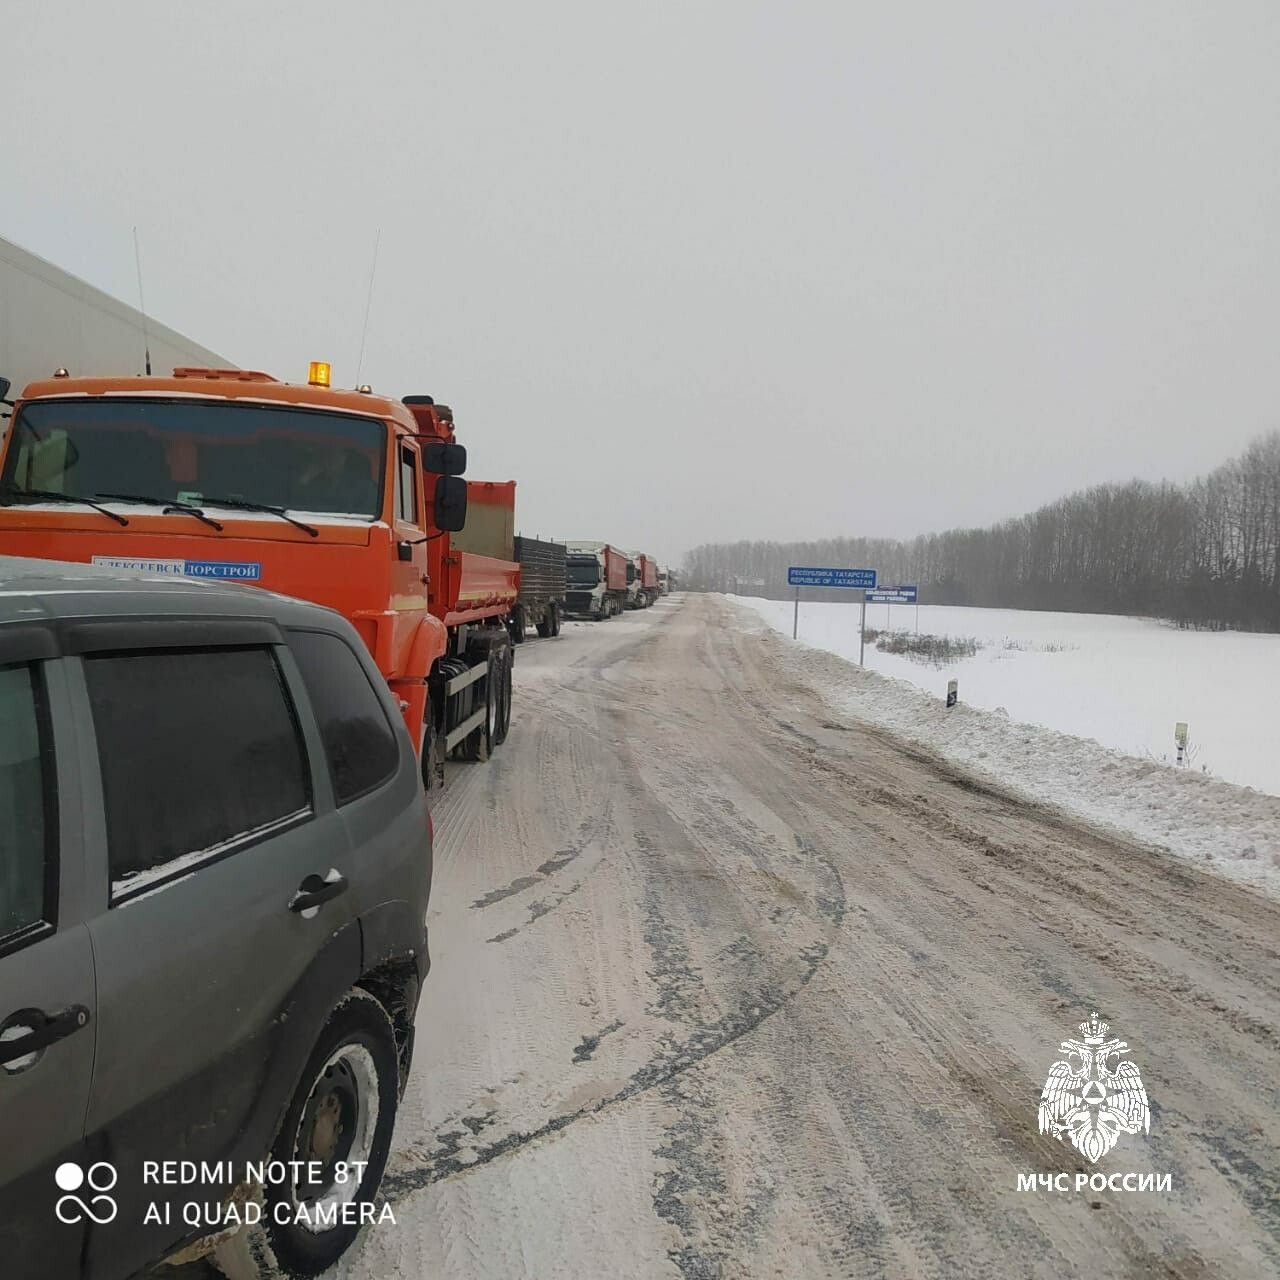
(635,595)
(596,576)
(228,475)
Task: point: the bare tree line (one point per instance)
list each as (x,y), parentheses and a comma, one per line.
(1204,554)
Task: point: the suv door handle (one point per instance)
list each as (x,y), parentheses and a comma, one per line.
(42,1030)
(317,889)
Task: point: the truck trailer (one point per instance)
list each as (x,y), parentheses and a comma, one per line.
(489,531)
(341,497)
(543,587)
(44,309)
(597,574)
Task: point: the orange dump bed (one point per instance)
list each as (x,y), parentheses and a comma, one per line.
(615,569)
(481,577)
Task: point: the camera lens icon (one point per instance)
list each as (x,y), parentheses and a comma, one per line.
(100,1178)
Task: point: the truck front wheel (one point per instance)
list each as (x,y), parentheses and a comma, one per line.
(432,756)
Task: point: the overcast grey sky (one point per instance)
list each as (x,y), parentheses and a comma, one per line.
(697,271)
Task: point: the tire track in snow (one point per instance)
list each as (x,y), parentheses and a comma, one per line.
(679,1057)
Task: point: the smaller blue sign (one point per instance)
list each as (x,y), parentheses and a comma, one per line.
(893,595)
(854,579)
(228,570)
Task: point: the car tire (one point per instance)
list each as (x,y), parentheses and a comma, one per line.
(544,626)
(555,618)
(346,1102)
(515,625)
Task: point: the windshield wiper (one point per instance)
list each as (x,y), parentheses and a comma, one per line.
(240,504)
(9,493)
(170,507)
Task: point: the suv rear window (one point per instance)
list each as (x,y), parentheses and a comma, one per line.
(200,752)
(360,744)
(26,805)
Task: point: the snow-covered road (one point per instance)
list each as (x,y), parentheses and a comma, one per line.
(727,986)
(724,987)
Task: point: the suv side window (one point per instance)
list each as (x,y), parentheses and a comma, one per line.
(200,754)
(361,747)
(28,878)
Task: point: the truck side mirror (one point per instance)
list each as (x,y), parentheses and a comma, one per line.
(450,503)
(5,384)
(444,459)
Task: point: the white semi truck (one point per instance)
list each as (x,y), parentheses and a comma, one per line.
(597,580)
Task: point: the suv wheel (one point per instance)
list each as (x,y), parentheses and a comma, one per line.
(343,1111)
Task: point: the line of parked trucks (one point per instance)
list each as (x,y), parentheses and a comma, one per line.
(348,499)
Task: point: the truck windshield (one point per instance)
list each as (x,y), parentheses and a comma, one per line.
(297,459)
(584,572)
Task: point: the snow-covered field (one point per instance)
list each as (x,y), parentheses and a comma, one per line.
(1079,710)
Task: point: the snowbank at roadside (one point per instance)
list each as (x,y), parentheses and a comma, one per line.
(1231,829)
(1123,681)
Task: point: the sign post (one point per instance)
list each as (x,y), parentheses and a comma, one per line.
(849,579)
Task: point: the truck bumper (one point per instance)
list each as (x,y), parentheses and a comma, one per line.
(584,603)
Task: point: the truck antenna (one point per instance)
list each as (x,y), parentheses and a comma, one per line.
(368,302)
(142,302)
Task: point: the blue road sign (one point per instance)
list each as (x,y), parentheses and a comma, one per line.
(856,579)
(893,595)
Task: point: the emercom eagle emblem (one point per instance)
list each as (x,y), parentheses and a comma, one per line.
(1090,1101)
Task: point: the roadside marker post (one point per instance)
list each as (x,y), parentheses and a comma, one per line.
(953,692)
(863,580)
(1180,737)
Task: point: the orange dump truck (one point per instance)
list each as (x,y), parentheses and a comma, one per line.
(341,497)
